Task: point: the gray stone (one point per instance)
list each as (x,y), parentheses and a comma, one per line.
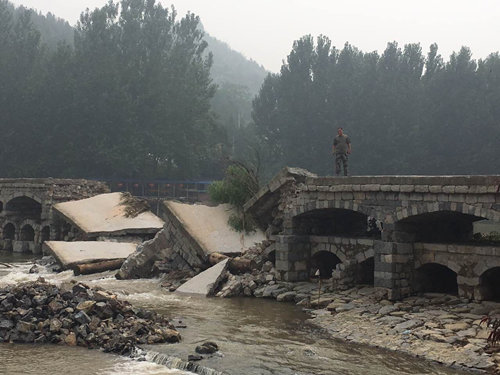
(286,297)
(345,307)
(408,325)
(386,310)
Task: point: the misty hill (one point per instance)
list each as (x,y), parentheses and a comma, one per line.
(53,30)
(229,65)
(232,66)
(238,78)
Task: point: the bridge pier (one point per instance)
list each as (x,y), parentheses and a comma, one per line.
(293,257)
(393,267)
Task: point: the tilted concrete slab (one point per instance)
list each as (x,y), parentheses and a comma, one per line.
(209,227)
(80,252)
(206,282)
(104,215)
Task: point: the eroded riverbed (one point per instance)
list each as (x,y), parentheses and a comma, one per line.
(255,336)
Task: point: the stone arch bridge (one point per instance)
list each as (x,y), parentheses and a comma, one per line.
(26,218)
(404,233)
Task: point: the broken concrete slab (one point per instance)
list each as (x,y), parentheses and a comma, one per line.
(206,282)
(208,227)
(69,254)
(105,214)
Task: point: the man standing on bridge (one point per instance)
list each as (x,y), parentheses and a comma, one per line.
(341,148)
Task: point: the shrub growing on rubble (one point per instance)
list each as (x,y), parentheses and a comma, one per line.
(240,183)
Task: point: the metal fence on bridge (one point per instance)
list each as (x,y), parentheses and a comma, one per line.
(190,191)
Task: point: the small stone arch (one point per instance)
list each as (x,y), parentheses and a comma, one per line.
(332,249)
(334,221)
(436,278)
(9,231)
(26,194)
(316,204)
(325,262)
(24,206)
(438,226)
(489,284)
(27,233)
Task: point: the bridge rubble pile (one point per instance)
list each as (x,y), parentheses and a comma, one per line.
(192,234)
(76,315)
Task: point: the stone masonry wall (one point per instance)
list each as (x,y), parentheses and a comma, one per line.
(393,200)
(45,192)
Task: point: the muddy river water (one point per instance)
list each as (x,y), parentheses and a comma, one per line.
(255,336)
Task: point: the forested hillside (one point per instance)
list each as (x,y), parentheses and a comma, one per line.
(136,94)
(406,112)
(237,79)
(131,98)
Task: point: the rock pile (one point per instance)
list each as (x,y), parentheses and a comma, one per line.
(74,314)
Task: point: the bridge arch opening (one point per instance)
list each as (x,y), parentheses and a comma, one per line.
(25,207)
(9,231)
(436,227)
(27,233)
(325,262)
(334,222)
(489,284)
(435,278)
(365,272)
(45,234)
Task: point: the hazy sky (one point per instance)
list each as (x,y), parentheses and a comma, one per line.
(264,30)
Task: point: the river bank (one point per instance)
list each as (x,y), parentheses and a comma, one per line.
(255,336)
(437,327)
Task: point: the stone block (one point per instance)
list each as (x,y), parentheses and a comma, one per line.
(385,187)
(417,197)
(365,242)
(395,188)
(449,189)
(347,195)
(421,188)
(435,189)
(487,198)
(385,267)
(360,257)
(359,195)
(461,189)
(406,188)
(460,198)
(335,188)
(492,189)
(300,266)
(404,248)
(470,199)
(370,187)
